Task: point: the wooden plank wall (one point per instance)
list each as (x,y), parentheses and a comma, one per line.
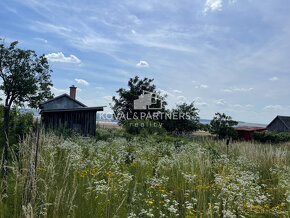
(83,122)
(277,126)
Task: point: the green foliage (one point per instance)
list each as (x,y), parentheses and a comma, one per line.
(183,119)
(204,127)
(25,79)
(222,125)
(25,76)
(272,137)
(124,104)
(182,124)
(144,127)
(20,124)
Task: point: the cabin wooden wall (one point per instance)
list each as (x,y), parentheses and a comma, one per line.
(83,122)
(277,126)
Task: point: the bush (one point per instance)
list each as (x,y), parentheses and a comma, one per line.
(182,124)
(19,125)
(272,137)
(204,127)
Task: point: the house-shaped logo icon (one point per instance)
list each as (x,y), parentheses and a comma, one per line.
(146,100)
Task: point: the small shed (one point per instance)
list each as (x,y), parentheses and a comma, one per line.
(247,132)
(279,124)
(66,111)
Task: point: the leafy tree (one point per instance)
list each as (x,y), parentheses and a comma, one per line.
(222,125)
(25,79)
(124,104)
(19,125)
(204,127)
(187,123)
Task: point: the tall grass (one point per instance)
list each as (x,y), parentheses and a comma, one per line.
(147,177)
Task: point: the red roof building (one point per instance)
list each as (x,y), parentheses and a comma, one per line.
(247,132)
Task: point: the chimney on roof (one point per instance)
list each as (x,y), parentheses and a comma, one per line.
(72,91)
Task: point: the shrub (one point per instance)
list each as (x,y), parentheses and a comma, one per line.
(204,127)
(272,137)
(182,124)
(19,125)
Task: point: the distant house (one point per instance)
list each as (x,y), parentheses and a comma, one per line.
(247,132)
(280,124)
(66,111)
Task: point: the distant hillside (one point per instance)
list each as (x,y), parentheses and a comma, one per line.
(30,110)
(241,123)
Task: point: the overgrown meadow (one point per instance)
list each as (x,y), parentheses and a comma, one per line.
(114,175)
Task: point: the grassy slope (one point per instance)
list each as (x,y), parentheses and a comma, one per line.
(156,176)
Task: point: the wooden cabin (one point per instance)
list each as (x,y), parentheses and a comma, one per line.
(280,124)
(65,111)
(247,132)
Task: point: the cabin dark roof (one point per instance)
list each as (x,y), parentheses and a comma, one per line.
(249,128)
(61,96)
(284,119)
(74,109)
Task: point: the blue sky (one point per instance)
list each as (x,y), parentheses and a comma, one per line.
(230,56)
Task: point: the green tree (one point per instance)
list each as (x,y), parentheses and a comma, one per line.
(25,79)
(124,104)
(184,118)
(222,125)
(19,125)
(204,127)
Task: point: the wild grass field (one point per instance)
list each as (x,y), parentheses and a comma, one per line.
(114,175)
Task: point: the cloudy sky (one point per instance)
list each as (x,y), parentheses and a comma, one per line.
(230,56)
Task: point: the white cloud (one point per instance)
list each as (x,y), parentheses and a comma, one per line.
(203,86)
(181,99)
(59,57)
(82,81)
(232,1)
(273,107)
(165,93)
(213,5)
(108,98)
(41,39)
(235,89)
(134,19)
(57,91)
(275,78)
(199,102)
(220,102)
(177,91)
(243,107)
(48,27)
(142,64)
